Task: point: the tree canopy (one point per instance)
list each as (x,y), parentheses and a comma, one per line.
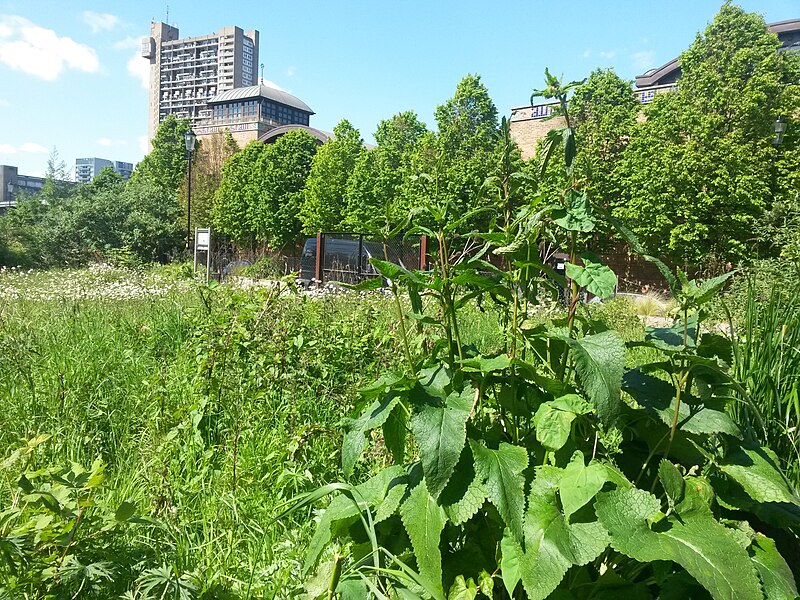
(698,172)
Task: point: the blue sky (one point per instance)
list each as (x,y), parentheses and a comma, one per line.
(70,78)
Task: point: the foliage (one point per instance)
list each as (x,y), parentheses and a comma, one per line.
(605,112)
(550,465)
(285,167)
(375,203)
(209,406)
(324,203)
(766,359)
(102,218)
(698,171)
(57,537)
(165,164)
(237,193)
(210,154)
(56,184)
(261,191)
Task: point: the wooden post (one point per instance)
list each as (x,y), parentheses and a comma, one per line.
(423,252)
(320,265)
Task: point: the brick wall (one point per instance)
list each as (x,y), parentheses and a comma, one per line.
(527,132)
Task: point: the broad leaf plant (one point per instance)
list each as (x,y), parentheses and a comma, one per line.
(552,469)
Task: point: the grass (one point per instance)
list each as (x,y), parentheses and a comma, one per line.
(767,362)
(211,408)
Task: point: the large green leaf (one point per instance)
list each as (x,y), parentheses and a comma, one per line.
(441,432)
(501,473)
(658,397)
(424,521)
(553,426)
(465,493)
(355,439)
(552,545)
(672,481)
(757,471)
(670,338)
(596,277)
(710,552)
(600,361)
(776,576)
(369,493)
(394,432)
(577,216)
(510,562)
(580,483)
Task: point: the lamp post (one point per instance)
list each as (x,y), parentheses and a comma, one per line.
(190,139)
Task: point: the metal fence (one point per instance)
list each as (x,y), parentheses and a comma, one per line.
(345,256)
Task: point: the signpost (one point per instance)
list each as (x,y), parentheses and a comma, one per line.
(202,243)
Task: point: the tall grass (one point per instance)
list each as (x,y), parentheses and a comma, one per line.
(211,408)
(767,362)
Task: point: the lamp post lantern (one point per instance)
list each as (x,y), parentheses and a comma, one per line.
(780,129)
(190,139)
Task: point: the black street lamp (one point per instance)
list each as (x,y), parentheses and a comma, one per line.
(190,139)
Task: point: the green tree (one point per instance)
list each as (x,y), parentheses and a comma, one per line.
(466,140)
(604,111)
(698,172)
(165,165)
(283,170)
(56,185)
(151,230)
(325,194)
(207,160)
(374,199)
(239,187)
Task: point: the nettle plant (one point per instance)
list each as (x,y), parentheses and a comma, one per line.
(551,469)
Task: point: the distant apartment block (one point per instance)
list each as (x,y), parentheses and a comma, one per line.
(186,73)
(14,185)
(530,123)
(86,169)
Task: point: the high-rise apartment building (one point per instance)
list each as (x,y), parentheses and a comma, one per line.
(86,169)
(186,73)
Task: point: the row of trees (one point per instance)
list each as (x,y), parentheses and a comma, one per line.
(270,195)
(694,173)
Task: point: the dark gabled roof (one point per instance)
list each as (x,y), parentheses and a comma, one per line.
(671,71)
(261,91)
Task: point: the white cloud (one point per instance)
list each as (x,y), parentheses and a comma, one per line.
(128,42)
(139,68)
(104,142)
(28,147)
(644,59)
(609,54)
(100,21)
(4,103)
(33,148)
(144,144)
(587,53)
(24,46)
(291,71)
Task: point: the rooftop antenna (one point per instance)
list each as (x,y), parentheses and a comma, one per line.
(262,73)
(167,13)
